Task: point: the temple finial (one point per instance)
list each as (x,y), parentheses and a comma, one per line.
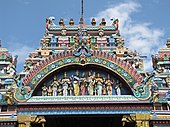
(82,12)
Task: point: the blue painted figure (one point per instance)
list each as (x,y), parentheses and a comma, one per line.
(111,41)
(53,41)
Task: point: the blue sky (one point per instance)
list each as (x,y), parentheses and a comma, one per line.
(144,24)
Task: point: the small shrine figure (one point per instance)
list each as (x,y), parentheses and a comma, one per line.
(88,41)
(109,84)
(70,89)
(11,69)
(116,24)
(76,40)
(99,85)
(117,87)
(60,90)
(104,92)
(90,83)
(9,98)
(49,90)
(44,90)
(65,82)
(82,84)
(155,93)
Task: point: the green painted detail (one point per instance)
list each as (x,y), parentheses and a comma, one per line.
(72,28)
(72,41)
(93,40)
(109,28)
(92,28)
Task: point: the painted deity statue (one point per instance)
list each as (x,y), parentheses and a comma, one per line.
(70,89)
(90,83)
(98,85)
(49,90)
(104,90)
(88,41)
(109,84)
(75,82)
(77,40)
(55,84)
(117,87)
(65,82)
(44,90)
(60,90)
(82,84)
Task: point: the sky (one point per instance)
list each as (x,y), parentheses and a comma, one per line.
(144,24)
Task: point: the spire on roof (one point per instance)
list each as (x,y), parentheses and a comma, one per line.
(82,12)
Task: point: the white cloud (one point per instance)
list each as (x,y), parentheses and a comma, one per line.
(138,36)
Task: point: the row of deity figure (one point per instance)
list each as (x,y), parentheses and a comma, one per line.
(91,84)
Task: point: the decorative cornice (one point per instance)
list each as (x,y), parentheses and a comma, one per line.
(84,99)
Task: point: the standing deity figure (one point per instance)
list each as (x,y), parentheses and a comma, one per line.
(44,90)
(55,84)
(82,84)
(65,82)
(109,84)
(75,82)
(90,83)
(98,85)
(117,87)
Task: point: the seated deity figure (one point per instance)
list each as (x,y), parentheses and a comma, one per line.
(44,90)
(98,85)
(117,87)
(82,84)
(109,85)
(76,81)
(65,82)
(90,83)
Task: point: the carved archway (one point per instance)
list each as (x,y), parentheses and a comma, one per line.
(63,59)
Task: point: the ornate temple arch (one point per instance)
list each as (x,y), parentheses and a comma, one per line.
(58,61)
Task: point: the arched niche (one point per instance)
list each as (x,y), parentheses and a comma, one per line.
(105,81)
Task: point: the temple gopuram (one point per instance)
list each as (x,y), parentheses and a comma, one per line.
(84,76)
